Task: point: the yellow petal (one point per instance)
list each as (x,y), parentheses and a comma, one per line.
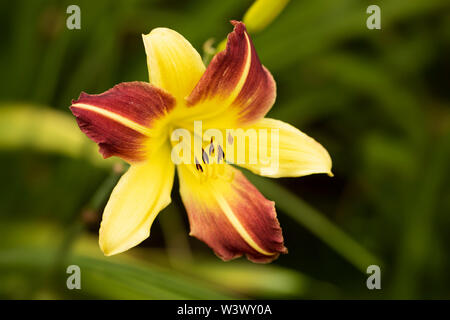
(298,154)
(173,64)
(142,192)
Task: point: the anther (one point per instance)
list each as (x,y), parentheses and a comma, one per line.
(230,138)
(198,166)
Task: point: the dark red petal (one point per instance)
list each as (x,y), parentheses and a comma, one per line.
(120,120)
(210,223)
(138,101)
(251,99)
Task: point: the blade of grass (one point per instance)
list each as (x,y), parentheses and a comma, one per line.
(111,278)
(315,222)
(414,250)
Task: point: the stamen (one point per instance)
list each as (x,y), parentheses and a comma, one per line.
(198,166)
(220,154)
(205,157)
(211,147)
(230,138)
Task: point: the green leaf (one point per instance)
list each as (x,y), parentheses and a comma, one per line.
(25,126)
(110,279)
(315,222)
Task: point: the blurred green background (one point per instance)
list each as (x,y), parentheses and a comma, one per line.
(378,100)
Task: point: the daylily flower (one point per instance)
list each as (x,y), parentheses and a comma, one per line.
(134,121)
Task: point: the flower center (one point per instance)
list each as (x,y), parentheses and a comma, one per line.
(205,160)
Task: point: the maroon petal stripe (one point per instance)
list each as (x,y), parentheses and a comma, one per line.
(112,119)
(237,71)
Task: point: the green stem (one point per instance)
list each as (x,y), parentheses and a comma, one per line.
(76,227)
